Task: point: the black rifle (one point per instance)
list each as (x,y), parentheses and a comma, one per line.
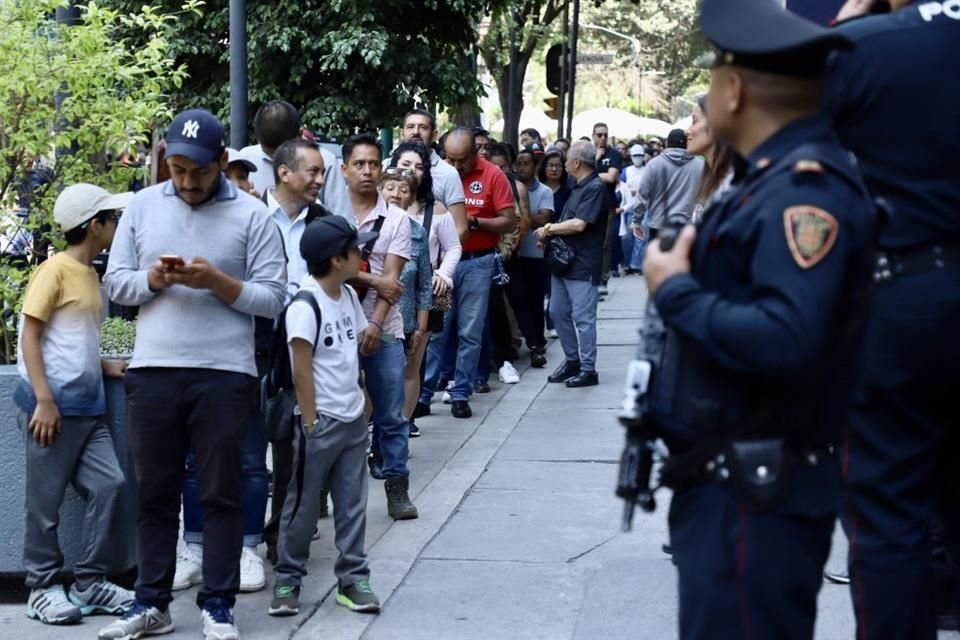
(636,462)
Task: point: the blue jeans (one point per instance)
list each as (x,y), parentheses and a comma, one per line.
(471,295)
(573,307)
(440,359)
(383,372)
(255,479)
(640,246)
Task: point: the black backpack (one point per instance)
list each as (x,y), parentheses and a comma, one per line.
(276,385)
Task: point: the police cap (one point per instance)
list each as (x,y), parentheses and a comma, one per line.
(763,35)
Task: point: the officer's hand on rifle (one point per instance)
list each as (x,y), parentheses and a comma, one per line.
(660,265)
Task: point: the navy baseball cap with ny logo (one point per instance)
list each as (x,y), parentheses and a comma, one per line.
(197,135)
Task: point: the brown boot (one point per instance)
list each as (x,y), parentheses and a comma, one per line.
(398,500)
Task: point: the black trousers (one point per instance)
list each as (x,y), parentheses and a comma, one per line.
(746,572)
(500,326)
(526,292)
(282,453)
(902,447)
(171,410)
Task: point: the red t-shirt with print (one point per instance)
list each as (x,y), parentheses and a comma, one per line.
(487,191)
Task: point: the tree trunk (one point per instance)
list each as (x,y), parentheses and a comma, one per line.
(511,124)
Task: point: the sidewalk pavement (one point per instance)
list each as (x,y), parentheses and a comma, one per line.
(518,535)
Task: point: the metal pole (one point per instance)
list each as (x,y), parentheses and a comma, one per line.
(512,117)
(562,97)
(574,37)
(238,73)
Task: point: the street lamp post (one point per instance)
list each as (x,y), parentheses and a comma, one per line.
(635,43)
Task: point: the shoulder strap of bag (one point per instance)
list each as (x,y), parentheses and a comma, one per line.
(309,298)
(368,248)
(427,222)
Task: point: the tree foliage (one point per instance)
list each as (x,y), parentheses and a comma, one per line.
(345,64)
(667,32)
(110,96)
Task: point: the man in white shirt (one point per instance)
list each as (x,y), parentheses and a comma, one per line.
(419,124)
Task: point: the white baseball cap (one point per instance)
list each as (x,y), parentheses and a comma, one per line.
(78,203)
(237,156)
(637,150)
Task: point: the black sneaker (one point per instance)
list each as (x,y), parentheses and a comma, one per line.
(358,597)
(565,371)
(421,410)
(538,359)
(481,386)
(286,601)
(376,466)
(414,429)
(583,379)
(461,409)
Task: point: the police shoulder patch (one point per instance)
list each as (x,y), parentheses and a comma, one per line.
(811,233)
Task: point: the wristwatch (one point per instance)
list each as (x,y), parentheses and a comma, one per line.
(473,223)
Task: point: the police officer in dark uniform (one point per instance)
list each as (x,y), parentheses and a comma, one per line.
(895,102)
(762,305)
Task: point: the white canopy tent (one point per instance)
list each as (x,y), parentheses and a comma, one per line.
(622,124)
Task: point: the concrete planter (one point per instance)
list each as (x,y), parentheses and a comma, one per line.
(71,513)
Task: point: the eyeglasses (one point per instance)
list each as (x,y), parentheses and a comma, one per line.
(397,171)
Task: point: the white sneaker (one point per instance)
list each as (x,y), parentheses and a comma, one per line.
(102,597)
(251,571)
(218,621)
(508,374)
(446,399)
(140,620)
(189,570)
(51,606)
(552,333)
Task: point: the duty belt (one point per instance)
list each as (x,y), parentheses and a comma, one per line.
(897,264)
(722,461)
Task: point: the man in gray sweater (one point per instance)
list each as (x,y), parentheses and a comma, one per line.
(668,186)
(200,259)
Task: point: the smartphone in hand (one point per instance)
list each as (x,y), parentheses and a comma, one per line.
(171,261)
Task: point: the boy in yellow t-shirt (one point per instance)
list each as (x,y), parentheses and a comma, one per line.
(60,407)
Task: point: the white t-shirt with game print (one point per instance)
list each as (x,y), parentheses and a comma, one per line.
(336,361)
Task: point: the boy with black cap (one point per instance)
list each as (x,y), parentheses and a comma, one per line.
(60,407)
(331,443)
(763,306)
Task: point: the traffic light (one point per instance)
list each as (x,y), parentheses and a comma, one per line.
(553,107)
(554,68)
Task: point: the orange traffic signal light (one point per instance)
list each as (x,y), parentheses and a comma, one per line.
(553,107)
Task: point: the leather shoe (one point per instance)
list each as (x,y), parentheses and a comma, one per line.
(584,379)
(461,409)
(565,371)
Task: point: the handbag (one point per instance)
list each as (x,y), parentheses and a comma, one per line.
(559,256)
(441,301)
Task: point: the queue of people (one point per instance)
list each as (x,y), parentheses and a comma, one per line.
(397,270)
